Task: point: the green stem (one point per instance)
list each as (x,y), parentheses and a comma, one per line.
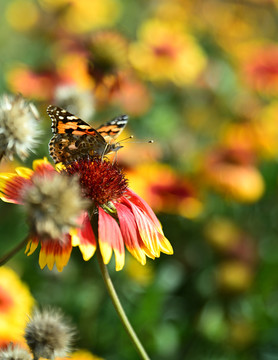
(11,253)
(118,306)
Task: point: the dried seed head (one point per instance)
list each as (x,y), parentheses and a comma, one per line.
(53,204)
(48,335)
(18,126)
(75,100)
(14,352)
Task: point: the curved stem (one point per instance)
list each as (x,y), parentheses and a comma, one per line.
(11,253)
(118,306)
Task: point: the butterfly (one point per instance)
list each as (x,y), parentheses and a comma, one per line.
(74,138)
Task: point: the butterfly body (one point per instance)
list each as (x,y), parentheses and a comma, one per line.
(74,138)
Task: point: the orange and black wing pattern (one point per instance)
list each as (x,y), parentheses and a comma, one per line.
(74,138)
(112,129)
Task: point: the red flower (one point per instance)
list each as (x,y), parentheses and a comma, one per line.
(124,219)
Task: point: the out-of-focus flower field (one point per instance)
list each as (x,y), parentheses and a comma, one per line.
(200,78)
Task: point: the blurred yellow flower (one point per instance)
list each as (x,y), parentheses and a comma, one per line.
(229,23)
(79,16)
(259,134)
(22,15)
(16,303)
(268,124)
(82,355)
(165,52)
(234,276)
(143,275)
(179,10)
(222,233)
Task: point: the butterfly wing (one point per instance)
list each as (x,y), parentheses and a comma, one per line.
(112,129)
(72,137)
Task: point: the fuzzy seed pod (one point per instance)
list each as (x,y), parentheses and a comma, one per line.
(18,126)
(48,335)
(14,352)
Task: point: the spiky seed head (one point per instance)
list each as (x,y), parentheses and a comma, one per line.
(48,334)
(53,204)
(18,126)
(14,352)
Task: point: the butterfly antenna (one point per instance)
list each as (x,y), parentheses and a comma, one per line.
(126,139)
(140,142)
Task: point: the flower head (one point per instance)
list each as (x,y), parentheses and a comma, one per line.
(261,70)
(108,54)
(48,335)
(14,353)
(232,172)
(124,219)
(100,180)
(52,204)
(18,126)
(15,302)
(164,52)
(175,194)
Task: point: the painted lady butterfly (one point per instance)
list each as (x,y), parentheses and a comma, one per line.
(74,138)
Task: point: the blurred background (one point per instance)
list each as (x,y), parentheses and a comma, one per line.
(200,78)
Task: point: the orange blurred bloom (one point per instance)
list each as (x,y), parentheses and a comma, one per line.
(175,194)
(35,85)
(261,69)
(231,172)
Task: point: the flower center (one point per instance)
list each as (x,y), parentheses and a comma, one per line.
(100,180)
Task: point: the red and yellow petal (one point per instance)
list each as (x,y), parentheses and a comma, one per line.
(143,205)
(24,172)
(31,246)
(130,233)
(110,239)
(11,186)
(153,239)
(84,237)
(42,166)
(55,252)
